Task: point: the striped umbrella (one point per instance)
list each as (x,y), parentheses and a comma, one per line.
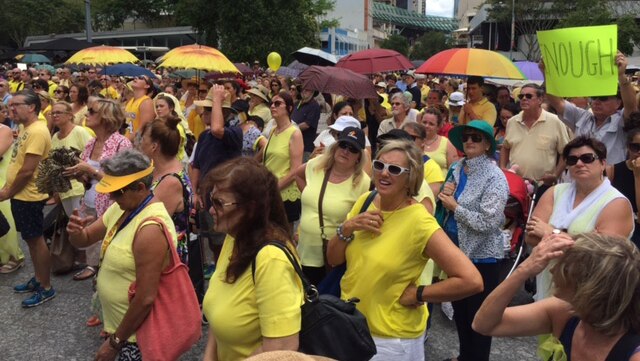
(469,62)
(102,55)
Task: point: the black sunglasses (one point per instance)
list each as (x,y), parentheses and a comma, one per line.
(278,103)
(476,138)
(394,170)
(349,147)
(92,111)
(634,147)
(529,96)
(587,158)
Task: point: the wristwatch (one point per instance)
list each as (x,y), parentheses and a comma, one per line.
(115,342)
(556,231)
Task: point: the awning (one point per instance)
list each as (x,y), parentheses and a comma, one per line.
(397,16)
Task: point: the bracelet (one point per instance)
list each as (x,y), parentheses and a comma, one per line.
(419,293)
(341,235)
(115,342)
(96,172)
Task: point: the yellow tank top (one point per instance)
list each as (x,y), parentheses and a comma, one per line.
(440,154)
(132,113)
(277,160)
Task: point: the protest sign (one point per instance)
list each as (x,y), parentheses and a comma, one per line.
(580,62)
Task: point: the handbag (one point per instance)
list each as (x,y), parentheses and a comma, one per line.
(330,326)
(173,325)
(4,225)
(330,285)
(441,214)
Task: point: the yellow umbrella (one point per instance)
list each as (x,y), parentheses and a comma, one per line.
(468,61)
(102,55)
(198,57)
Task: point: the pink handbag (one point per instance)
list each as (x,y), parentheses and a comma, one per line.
(174,324)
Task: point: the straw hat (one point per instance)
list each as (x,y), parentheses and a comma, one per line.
(261,92)
(287,356)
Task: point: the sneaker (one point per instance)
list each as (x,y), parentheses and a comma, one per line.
(30,286)
(39,297)
(208,271)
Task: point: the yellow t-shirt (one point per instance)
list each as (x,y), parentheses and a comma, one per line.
(118,268)
(432,172)
(278,161)
(52,89)
(439,155)
(484,109)
(426,192)
(378,280)
(77,139)
(34,139)
(110,93)
(243,312)
(337,202)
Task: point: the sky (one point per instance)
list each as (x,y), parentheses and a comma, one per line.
(440,8)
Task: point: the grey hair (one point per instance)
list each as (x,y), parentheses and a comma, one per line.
(31,98)
(127,162)
(400,95)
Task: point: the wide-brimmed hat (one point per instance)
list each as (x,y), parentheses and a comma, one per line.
(381,84)
(261,92)
(344,122)
(208,102)
(456,99)
(112,183)
(455,135)
(353,136)
(287,356)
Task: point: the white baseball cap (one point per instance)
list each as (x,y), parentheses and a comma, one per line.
(456,99)
(344,122)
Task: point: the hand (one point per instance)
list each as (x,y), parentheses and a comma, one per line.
(369,221)
(635,166)
(551,246)
(467,108)
(449,188)
(219,93)
(448,201)
(106,352)
(197,201)
(621,62)
(541,66)
(548,179)
(317,151)
(538,227)
(77,223)
(79,170)
(409,297)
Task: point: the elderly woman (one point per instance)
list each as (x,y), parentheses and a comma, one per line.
(395,224)
(475,195)
(594,311)
(283,154)
(436,146)
(79,96)
(250,308)
(134,249)
(105,118)
(589,203)
(330,185)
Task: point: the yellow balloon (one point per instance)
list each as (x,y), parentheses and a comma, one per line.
(274,60)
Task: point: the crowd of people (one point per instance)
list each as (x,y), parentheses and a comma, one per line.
(405,191)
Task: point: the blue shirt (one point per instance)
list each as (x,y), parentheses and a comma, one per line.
(211,151)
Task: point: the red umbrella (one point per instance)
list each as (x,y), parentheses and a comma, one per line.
(338,81)
(374,61)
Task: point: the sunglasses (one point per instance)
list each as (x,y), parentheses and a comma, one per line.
(394,170)
(59,92)
(92,111)
(219,203)
(396,104)
(349,147)
(118,193)
(587,158)
(634,147)
(529,96)
(476,138)
(277,103)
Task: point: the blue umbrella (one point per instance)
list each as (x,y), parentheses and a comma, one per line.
(34,58)
(129,70)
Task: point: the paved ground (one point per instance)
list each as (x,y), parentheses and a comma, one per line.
(56,330)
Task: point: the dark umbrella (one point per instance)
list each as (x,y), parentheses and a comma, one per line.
(129,70)
(288,72)
(34,58)
(297,65)
(244,69)
(375,61)
(311,56)
(338,81)
(68,44)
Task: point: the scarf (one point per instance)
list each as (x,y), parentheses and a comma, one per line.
(566,214)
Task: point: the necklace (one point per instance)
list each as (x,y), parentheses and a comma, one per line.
(394,210)
(428,144)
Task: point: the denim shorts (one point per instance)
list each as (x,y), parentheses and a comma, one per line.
(29,218)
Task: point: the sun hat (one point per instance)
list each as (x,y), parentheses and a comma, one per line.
(353,136)
(456,99)
(208,102)
(287,356)
(344,122)
(381,84)
(261,92)
(112,183)
(455,135)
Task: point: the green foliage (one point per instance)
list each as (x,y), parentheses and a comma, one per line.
(202,16)
(628,34)
(111,14)
(582,12)
(396,42)
(429,44)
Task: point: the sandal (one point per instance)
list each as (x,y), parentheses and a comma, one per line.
(11,266)
(93,321)
(85,274)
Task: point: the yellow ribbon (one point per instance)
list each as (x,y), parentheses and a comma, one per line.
(550,348)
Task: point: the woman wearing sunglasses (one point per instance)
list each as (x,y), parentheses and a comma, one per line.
(473,197)
(386,248)
(625,176)
(336,179)
(589,203)
(62,93)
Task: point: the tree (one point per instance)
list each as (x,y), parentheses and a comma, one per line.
(202,16)
(429,44)
(628,34)
(396,42)
(111,14)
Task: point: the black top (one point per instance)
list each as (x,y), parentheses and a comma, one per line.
(621,351)
(623,181)
(309,113)
(211,151)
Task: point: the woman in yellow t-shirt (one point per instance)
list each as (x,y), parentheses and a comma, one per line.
(250,309)
(131,249)
(341,165)
(283,154)
(395,224)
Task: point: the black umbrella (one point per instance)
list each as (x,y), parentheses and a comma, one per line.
(311,56)
(68,44)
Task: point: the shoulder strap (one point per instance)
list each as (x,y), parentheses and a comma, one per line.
(367,202)
(624,348)
(264,153)
(323,188)
(175,259)
(425,158)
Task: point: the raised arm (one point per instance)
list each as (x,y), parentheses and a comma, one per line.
(627,92)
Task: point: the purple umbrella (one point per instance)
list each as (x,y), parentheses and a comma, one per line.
(340,81)
(530,70)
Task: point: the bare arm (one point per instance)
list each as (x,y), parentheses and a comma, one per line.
(616,218)
(22,178)
(147,113)
(194,175)
(504,156)
(296,149)
(217,118)
(169,192)
(6,140)
(301,178)
(543,211)
(290,343)
(211,350)
(627,92)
